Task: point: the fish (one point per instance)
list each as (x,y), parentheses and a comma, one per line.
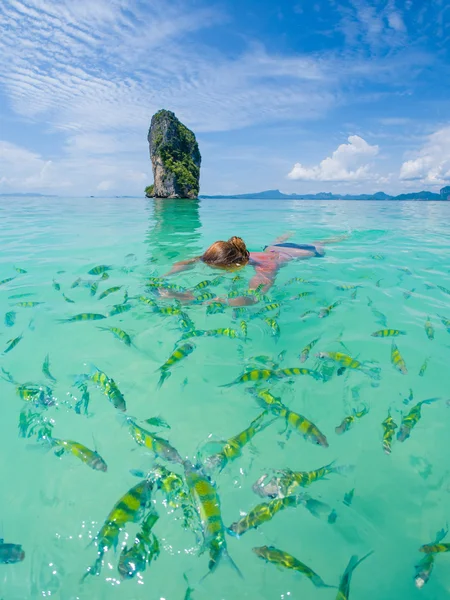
(109,291)
(252,376)
(346,287)
(232,448)
(222,332)
(156,280)
(348,497)
(397,360)
(389,427)
(109,387)
(307,349)
(434,548)
(272,323)
(201,285)
(283,559)
(325,312)
(185,322)
(429,329)
(39,395)
(167,310)
(262,513)
(160,447)
(84,400)
(11,344)
(443,289)
(342,359)
(299,280)
(147,301)
(215,308)
(177,355)
(3,281)
(204,297)
(190,333)
(354,295)
(134,560)
(10,318)
(407,295)
(405,270)
(302,295)
(380,317)
(76,283)
(158,422)
(120,334)
(378,257)
(93,288)
(410,398)
(10,553)
(307,313)
(424,366)
(423,570)
(46,369)
(445,322)
(378,283)
(99,270)
(207,503)
(216,281)
(410,420)
(295,421)
(68,299)
(28,304)
(8,377)
(89,457)
(244,329)
(56,286)
(128,509)
(288,481)
(265,309)
(83,317)
(350,420)
(172,286)
(118,309)
(20,270)
(241,311)
(344,585)
(388,333)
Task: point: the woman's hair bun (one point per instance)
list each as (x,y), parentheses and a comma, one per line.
(240,246)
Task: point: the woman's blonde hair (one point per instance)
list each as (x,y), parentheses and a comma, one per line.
(227,254)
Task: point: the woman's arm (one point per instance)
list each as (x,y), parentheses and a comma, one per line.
(183,265)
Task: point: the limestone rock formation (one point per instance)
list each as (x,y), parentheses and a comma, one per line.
(445,192)
(175,157)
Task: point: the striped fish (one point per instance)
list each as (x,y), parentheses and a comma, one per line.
(388,333)
(201,285)
(159,446)
(28,304)
(145,548)
(215,308)
(12,344)
(83,317)
(429,329)
(109,387)
(109,291)
(118,309)
(68,299)
(350,420)
(252,376)
(120,334)
(3,281)
(291,372)
(128,509)
(302,295)
(389,427)
(177,355)
(344,585)
(203,297)
(443,289)
(244,329)
(260,514)
(275,328)
(410,420)
(304,354)
(99,270)
(325,312)
(89,457)
(397,360)
(207,503)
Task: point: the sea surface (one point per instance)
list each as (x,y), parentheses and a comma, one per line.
(392,272)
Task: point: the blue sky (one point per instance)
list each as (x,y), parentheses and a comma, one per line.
(304,96)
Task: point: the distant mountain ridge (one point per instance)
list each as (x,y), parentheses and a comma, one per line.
(277,195)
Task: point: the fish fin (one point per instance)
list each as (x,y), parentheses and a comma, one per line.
(138,473)
(59,452)
(79,379)
(165,374)
(430,400)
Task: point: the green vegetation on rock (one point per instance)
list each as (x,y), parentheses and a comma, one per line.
(175,157)
(149,191)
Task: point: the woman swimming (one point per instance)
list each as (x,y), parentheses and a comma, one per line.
(233,254)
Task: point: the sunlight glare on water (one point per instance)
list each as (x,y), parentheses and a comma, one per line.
(386,275)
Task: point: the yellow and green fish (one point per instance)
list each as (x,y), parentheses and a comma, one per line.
(262,513)
(109,291)
(28,304)
(252,376)
(99,270)
(222,332)
(215,308)
(304,354)
(120,334)
(389,427)
(159,446)
(429,329)
(350,420)
(445,322)
(89,457)
(109,387)
(7,280)
(325,312)
(424,366)
(145,548)
(388,333)
(83,317)
(177,355)
(410,420)
(207,503)
(397,360)
(118,309)
(275,328)
(344,585)
(342,359)
(232,448)
(293,371)
(283,559)
(129,509)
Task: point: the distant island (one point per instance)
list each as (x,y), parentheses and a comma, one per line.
(444,194)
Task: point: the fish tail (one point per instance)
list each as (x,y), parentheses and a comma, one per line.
(233,564)
(165,374)
(319,582)
(342,469)
(80,379)
(430,400)
(355,562)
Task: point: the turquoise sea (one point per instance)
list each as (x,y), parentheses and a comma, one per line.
(397,256)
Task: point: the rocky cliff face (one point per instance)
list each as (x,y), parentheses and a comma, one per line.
(175,157)
(445,192)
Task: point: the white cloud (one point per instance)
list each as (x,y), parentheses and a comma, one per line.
(349,162)
(432,164)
